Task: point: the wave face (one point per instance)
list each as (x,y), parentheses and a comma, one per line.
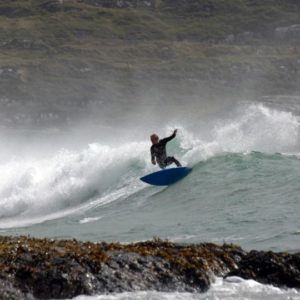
(243,188)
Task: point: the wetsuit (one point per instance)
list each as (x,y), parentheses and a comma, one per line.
(158,151)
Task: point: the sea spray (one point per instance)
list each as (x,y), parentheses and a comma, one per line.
(259,128)
(253,127)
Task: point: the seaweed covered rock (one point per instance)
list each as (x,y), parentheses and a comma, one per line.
(42,268)
(280,269)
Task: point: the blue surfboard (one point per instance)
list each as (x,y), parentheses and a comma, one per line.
(166,176)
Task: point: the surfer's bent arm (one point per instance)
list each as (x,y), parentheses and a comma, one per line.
(153,157)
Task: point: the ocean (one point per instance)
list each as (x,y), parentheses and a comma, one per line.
(243,189)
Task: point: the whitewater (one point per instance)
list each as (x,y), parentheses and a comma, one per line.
(244,189)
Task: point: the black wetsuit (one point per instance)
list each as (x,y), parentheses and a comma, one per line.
(158,151)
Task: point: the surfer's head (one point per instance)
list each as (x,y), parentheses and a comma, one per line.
(154,138)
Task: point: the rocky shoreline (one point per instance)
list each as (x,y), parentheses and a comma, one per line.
(45,269)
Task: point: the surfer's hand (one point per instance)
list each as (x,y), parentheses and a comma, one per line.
(153,162)
(175,131)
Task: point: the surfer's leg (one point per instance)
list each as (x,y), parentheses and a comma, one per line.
(178,164)
(171,159)
(162,165)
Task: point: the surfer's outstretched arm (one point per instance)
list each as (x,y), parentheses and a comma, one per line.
(171,137)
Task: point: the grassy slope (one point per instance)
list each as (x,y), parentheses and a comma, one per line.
(78,51)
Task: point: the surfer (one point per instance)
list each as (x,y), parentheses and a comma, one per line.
(158,151)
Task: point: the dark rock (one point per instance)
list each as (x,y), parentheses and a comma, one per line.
(45,269)
(279,269)
(10,292)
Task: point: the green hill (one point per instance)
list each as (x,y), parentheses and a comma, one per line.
(73,55)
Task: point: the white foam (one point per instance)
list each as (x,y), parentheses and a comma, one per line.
(252,128)
(89,220)
(37,190)
(233,288)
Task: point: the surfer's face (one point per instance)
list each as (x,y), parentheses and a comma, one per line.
(154,138)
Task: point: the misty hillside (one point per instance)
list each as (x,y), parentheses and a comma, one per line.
(63,59)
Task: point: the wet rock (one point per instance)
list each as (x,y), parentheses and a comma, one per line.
(10,292)
(47,269)
(279,269)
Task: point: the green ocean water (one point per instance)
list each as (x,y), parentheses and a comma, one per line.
(244,188)
(248,199)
